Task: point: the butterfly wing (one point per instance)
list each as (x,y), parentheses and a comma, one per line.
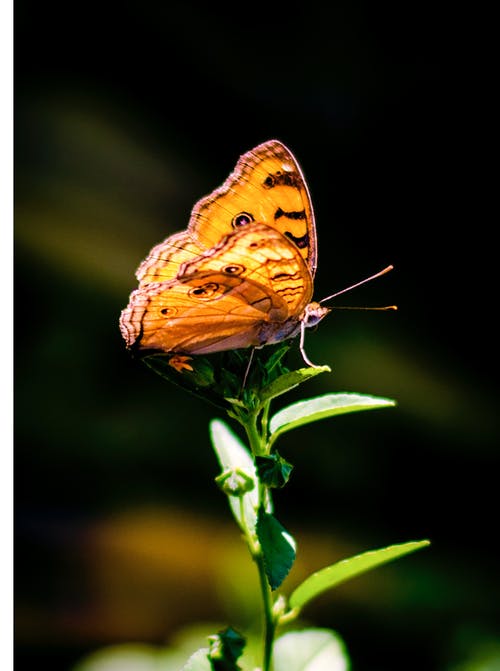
(262,255)
(267,186)
(164,261)
(209,312)
(238,294)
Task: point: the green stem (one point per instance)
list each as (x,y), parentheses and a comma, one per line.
(264,422)
(256,443)
(258,446)
(269,624)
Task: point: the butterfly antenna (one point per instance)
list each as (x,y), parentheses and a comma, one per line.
(353,286)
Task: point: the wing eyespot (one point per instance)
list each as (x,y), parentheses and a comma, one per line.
(205,291)
(241,219)
(168,312)
(234,269)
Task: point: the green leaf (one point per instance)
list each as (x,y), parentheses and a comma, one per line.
(273,470)
(274,362)
(310,650)
(278,548)
(225,649)
(198,661)
(218,376)
(321,407)
(333,575)
(199,381)
(234,456)
(288,381)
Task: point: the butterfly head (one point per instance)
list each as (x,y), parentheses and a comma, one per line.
(313,314)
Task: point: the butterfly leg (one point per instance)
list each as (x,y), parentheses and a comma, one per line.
(301,346)
(250,359)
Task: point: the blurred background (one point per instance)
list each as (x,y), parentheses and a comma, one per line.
(125,115)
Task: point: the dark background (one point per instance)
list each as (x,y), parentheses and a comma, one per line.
(125,115)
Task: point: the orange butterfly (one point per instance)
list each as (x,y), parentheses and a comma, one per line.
(242,273)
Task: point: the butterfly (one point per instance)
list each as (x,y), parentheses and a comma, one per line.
(241,275)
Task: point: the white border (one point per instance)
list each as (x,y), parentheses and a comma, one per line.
(6,335)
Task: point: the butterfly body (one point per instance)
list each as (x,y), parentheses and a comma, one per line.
(241,275)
